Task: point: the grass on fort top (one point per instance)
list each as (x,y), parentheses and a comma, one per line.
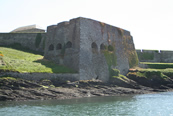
(16,60)
(162,70)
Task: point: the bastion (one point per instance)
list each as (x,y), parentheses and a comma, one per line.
(92,48)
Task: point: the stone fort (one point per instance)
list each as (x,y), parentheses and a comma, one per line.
(90,47)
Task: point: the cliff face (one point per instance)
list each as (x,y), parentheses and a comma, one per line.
(90,47)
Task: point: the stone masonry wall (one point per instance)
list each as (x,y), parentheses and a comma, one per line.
(62,45)
(162,56)
(91,48)
(96,62)
(25,39)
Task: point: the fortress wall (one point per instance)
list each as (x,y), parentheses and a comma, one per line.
(162,56)
(24,39)
(62,45)
(92,62)
(97,63)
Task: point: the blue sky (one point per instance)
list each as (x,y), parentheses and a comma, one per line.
(149,21)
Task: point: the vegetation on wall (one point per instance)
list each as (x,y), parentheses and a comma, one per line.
(110,48)
(38,40)
(130,51)
(133,59)
(102,27)
(114,72)
(111,59)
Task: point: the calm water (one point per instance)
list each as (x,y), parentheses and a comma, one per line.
(139,105)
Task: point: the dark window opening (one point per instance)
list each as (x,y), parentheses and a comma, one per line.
(59,46)
(51,47)
(102,47)
(94,45)
(68,44)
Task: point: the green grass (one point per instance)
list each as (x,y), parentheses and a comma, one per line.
(149,73)
(111,60)
(158,65)
(18,46)
(20,61)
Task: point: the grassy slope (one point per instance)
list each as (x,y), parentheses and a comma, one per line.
(154,65)
(17,60)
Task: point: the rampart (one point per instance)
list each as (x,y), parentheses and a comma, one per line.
(162,56)
(33,41)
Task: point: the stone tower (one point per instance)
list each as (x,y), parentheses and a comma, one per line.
(90,47)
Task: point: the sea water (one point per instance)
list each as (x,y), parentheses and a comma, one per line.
(160,104)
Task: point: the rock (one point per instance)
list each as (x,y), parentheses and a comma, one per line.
(5,97)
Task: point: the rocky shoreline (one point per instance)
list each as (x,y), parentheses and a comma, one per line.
(21,90)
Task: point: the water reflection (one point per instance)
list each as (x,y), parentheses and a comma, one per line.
(139,105)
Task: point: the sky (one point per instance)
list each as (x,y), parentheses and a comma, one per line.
(149,21)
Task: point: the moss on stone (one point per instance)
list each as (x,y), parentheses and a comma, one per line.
(110,48)
(114,72)
(130,52)
(111,60)
(133,59)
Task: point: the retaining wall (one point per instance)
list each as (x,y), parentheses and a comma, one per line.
(24,39)
(40,76)
(162,56)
